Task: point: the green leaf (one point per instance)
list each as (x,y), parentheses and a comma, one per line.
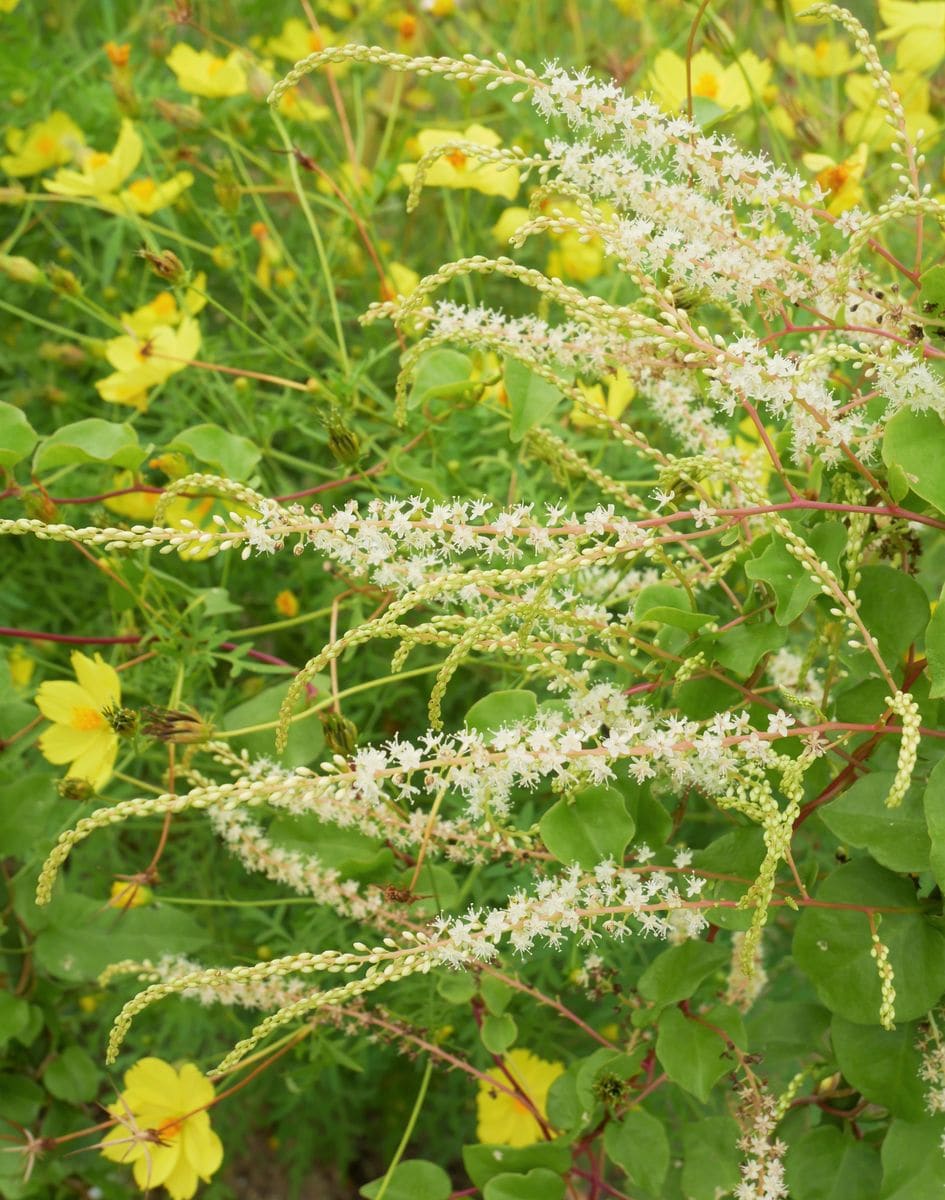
(30,813)
(932,292)
(456,987)
(72,1076)
(676,973)
(564,1106)
(791,583)
(832,946)
(913,1162)
(933,802)
(414,1179)
(742,648)
(893,607)
(638,1143)
(692,1054)
(20,1099)
(306,741)
(935,649)
(14,1016)
(915,443)
(785,1031)
(90,441)
(440,372)
(491,713)
(531,398)
(710,1157)
(588,827)
(17,435)
(739,853)
(498,1033)
(896,837)
(227,453)
(668,605)
(496,994)
(827,1164)
(882,1065)
(82,937)
(538,1184)
(484,1162)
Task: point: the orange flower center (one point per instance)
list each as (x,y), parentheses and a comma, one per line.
(45,144)
(821,48)
(408,26)
(143,189)
(457,159)
(171,1129)
(98,158)
(706,85)
(832,179)
(118,54)
(315,42)
(86,720)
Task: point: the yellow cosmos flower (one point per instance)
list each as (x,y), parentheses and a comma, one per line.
(20,666)
(287,604)
(620,391)
(7,6)
(204,74)
(868,123)
(825,58)
(101,173)
(919,29)
(46,144)
(171,1104)
(145,197)
(732,87)
(164,309)
(460,170)
(141,365)
(840,180)
(504,1120)
(80,734)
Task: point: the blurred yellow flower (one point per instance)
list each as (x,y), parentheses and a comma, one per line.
(868,123)
(7,6)
(505,1120)
(145,197)
(118,53)
(287,603)
(510,222)
(731,87)
(143,364)
(171,1104)
(574,257)
(823,59)
(204,74)
(47,143)
(81,734)
(298,40)
(20,666)
(399,281)
(125,893)
(296,107)
(457,169)
(270,253)
(101,173)
(620,391)
(919,29)
(840,180)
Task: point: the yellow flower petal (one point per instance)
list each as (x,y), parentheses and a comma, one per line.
(204,74)
(97,762)
(505,1120)
(58,698)
(201,1146)
(152,1082)
(63,744)
(98,678)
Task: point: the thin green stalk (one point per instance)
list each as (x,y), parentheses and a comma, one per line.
(408,1132)
(316,238)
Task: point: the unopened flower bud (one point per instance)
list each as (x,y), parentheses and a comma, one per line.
(184,116)
(63,280)
(344,444)
(341,735)
(175,726)
(20,270)
(226,188)
(124,721)
(74,789)
(165,264)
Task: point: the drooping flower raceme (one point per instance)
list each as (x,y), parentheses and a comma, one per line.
(163,1128)
(81,734)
